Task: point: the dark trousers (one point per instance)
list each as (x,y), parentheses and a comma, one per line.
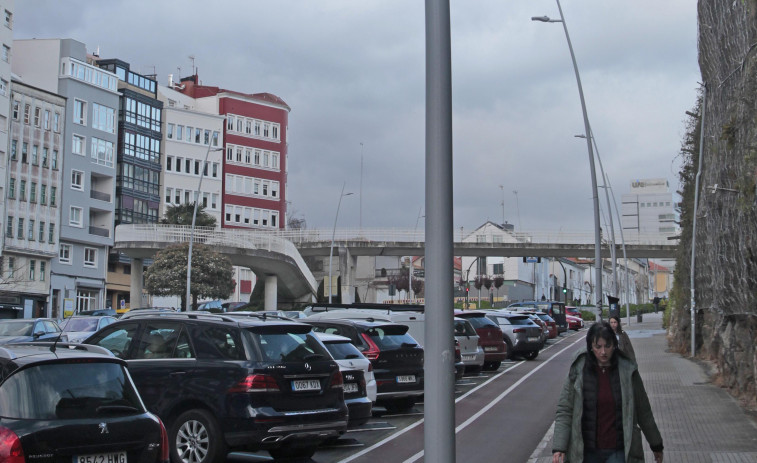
(604,456)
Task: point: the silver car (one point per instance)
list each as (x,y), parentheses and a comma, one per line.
(471,352)
(522,336)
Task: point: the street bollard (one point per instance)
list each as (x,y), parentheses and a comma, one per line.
(638,316)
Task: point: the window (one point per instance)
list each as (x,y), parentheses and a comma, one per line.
(54,164)
(42,271)
(11,265)
(103,118)
(51,235)
(20,229)
(14,149)
(3,87)
(16,109)
(257,128)
(35,155)
(37,116)
(30,235)
(189,134)
(8,19)
(266,129)
(102,152)
(74,216)
(41,235)
(6,53)
(33,192)
(56,122)
(198,134)
(77,180)
(12,188)
(22,190)
(47,119)
(27,112)
(43,194)
(90,257)
(52,195)
(169,163)
(24,152)
(169,131)
(169,195)
(9,227)
(80,112)
(64,256)
(275,132)
(206,139)
(78,145)
(32,267)
(179,132)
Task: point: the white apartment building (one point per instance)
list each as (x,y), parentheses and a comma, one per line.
(6,37)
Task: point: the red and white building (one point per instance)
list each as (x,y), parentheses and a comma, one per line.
(255,160)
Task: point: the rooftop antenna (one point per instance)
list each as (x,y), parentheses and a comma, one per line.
(178,73)
(192,57)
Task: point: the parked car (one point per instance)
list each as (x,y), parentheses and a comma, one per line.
(80,328)
(357,371)
(30,329)
(569,310)
(574,323)
(231,306)
(550,322)
(490,337)
(396,356)
(222,383)
(542,324)
(554,309)
(522,336)
(64,402)
(470,351)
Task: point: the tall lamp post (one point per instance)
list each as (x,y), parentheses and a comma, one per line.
(587,128)
(188,306)
(333,234)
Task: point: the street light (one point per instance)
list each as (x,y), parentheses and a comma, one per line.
(410,266)
(194,218)
(595,195)
(333,234)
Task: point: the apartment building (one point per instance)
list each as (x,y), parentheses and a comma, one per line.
(6,39)
(88,166)
(139,157)
(32,212)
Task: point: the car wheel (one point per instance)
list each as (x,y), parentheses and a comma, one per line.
(531,355)
(509,348)
(492,366)
(292,454)
(196,438)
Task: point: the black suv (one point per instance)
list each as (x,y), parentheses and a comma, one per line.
(396,357)
(222,383)
(64,402)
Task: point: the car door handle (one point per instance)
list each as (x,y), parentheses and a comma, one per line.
(177,373)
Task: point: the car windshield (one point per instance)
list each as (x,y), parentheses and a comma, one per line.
(343,350)
(79,324)
(481,322)
(69,390)
(16,328)
(390,337)
(289,346)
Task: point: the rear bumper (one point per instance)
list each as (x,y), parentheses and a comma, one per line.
(361,409)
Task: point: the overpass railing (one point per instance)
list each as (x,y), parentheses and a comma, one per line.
(234,237)
(418,236)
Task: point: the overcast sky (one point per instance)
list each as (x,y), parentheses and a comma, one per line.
(353,72)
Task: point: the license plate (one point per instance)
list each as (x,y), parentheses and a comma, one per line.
(114,457)
(490,349)
(350,387)
(406,379)
(468,358)
(306,385)
(533,339)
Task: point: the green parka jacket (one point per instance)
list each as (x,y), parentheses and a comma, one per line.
(637,413)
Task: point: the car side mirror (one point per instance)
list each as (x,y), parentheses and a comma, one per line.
(38,334)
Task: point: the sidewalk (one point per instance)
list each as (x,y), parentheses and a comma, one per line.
(699,422)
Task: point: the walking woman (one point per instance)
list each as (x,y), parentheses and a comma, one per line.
(603,407)
(624,343)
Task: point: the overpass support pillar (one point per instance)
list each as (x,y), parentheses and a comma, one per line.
(135,288)
(271,290)
(347,273)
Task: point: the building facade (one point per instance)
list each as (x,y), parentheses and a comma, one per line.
(32,212)
(6,37)
(649,210)
(88,166)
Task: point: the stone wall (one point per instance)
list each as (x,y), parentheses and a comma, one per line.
(726,219)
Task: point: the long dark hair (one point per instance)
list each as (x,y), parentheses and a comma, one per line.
(597,331)
(620,325)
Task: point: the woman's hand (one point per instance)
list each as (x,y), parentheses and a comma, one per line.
(657,456)
(559,457)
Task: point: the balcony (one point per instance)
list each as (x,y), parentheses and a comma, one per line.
(99,231)
(99,196)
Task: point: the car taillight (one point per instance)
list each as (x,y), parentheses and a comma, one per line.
(256,383)
(372,353)
(337,382)
(519,330)
(165,455)
(370,367)
(10,447)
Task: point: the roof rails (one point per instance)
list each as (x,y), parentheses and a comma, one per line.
(366,305)
(201,315)
(58,346)
(259,315)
